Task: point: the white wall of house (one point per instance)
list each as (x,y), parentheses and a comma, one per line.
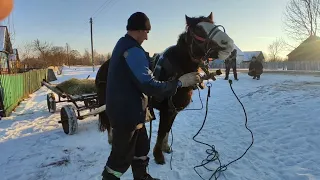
(249,54)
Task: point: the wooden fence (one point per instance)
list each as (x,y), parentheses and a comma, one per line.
(287,65)
(15,87)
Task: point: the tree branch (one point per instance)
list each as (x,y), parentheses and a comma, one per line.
(302,17)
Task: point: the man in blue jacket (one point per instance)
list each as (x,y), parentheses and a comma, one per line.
(129,84)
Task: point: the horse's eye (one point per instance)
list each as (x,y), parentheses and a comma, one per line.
(200,31)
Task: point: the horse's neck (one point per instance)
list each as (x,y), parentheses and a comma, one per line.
(181,57)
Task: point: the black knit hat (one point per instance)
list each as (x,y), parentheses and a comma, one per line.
(138,21)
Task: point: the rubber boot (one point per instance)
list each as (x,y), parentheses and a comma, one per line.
(139,170)
(107,176)
(236,77)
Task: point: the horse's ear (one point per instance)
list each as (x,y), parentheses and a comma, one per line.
(188,20)
(210,16)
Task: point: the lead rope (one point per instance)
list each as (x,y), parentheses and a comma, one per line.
(212,153)
(150,134)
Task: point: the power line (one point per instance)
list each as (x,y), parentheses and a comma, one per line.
(101,8)
(109,5)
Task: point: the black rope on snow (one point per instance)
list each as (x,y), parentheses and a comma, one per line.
(213,154)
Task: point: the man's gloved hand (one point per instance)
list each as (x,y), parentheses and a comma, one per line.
(218,72)
(190,79)
(200,85)
(213,74)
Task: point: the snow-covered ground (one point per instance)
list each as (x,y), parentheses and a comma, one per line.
(283,113)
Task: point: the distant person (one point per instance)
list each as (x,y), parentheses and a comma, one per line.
(231,61)
(6,7)
(255,68)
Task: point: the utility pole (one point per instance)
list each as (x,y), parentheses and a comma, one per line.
(91,45)
(68,54)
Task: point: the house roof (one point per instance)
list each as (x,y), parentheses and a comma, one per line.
(249,54)
(239,52)
(311,41)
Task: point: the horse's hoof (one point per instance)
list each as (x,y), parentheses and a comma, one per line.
(166,149)
(158,156)
(160,161)
(110,142)
(110,137)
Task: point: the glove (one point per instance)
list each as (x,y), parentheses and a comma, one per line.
(218,72)
(190,79)
(200,85)
(213,74)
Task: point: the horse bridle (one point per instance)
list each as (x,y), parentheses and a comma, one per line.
(204,60)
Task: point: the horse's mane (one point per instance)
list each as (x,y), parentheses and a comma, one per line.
(180,55)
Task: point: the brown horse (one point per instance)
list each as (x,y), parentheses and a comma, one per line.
(201,40)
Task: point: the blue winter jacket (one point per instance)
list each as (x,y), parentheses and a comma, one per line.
(129,83)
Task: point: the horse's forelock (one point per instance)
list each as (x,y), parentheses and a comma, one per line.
(193,21)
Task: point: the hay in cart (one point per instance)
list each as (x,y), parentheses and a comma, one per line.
(78,86)
(81,93)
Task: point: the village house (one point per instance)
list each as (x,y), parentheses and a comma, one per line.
(9,57)
(5,50)
(308,50)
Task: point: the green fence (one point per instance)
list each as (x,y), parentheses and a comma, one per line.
(15,87)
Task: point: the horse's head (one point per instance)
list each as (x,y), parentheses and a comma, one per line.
(206,40)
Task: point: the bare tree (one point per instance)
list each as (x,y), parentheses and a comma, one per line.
(43,48)
(74,57)
(302,18)
(26,51)
(108,56)
(57,56)
(275,49)
(41,54)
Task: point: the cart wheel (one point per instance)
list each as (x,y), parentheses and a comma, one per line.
(51,102)
(69,120)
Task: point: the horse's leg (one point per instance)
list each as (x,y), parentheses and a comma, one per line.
(166,120)
(165,145)
(157,150)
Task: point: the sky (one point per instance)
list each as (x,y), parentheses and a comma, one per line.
(252,24)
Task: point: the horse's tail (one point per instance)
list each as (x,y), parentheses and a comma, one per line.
(101,85)
(104,123)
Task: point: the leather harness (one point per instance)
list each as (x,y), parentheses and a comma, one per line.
(164,70)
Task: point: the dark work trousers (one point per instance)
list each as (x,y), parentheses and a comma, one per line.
(234,68)
(125,146)
(254,74)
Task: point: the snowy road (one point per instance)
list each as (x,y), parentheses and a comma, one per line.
(283,113)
